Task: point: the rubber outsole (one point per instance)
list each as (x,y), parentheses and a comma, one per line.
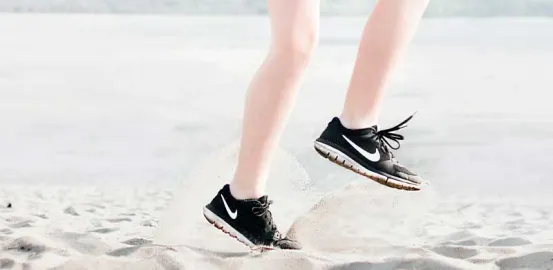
(341,159)
(221,225)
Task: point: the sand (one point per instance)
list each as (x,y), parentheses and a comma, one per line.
(93,228)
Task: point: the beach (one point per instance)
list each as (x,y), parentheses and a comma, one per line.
(117,129)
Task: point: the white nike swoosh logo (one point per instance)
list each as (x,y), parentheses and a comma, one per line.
(374,157)
(232,215)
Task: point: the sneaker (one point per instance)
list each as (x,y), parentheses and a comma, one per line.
(367,152)
(249,221)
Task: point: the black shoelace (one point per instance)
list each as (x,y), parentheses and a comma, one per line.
(384,135)
(262,210)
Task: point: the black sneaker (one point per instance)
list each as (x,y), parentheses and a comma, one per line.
(365,151)
(249,221)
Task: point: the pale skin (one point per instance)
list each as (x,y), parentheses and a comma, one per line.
(272,92)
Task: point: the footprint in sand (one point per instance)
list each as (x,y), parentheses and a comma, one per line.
(148,223)
(104,230)
(43,216)
(123,252)
(117,220)
(21,224)
(6,263)
(137,242)
(509,242)
(474,241)
(85,243)
(71,211)
(6,231)
(456,252)
(27,245)
(535,260)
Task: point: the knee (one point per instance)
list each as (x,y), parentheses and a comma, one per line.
(296,50)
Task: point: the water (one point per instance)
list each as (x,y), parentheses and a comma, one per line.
(142,99)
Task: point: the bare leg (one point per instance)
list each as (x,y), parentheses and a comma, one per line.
(386,36)
(272,92)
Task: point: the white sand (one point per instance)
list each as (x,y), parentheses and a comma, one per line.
(114,229)
(117,129)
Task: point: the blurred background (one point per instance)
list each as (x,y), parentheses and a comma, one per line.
(437,8)
(131,92)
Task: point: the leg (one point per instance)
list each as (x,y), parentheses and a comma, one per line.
(353,140)
(240,209)
(271,95)
(387,33)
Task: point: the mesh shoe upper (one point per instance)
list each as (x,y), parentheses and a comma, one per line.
(370,148)
(252,218)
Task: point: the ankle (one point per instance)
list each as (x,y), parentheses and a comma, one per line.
(351,122)
(241,192)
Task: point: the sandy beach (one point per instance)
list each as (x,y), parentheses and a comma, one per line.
(95,228)
(116,130)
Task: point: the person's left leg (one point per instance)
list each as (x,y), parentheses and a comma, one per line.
(353,140)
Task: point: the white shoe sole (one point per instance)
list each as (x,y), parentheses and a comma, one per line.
(345,161)
(226,228)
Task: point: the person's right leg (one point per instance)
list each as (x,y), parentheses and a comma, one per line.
(240,208)
(294,26)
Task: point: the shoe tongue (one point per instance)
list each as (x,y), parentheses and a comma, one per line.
(263,199)
(366,131)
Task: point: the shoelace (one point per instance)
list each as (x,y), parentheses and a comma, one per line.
(262,210)
(388,134)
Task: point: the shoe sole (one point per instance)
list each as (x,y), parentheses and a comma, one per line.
(336,156)
(221,225)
